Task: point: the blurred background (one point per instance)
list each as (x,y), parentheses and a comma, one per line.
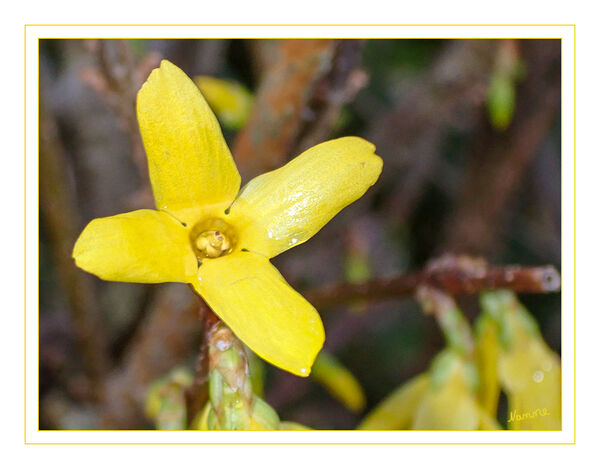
(470,135)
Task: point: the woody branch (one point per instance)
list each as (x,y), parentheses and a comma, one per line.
(454,275)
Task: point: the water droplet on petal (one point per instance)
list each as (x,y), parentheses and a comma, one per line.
(538,376)
(303,370)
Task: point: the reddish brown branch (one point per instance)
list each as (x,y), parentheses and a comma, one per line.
(303,89)
(453,275)
(285,90)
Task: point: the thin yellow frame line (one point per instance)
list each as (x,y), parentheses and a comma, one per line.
(25,234)
(306,444)
(145,38)
(574,231)
(562,413)
(304,24)
(392,443)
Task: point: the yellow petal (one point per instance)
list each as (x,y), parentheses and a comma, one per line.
(285,207)
(397,410)
(449,403)
(144,246)
(450,407)
(188,159)
(487,350)
(255,301)
(530,374)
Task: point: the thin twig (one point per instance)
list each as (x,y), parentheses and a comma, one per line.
(454,275)
(451,320)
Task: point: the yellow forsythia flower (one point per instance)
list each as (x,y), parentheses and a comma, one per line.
(396,412)
(219,241)
(230,101)
(450,401)
(528,370)
(441,399)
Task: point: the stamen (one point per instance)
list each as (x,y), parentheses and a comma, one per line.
(212,238)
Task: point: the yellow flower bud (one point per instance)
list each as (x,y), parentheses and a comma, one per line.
(338,380)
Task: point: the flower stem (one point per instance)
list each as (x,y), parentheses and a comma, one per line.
(455,327)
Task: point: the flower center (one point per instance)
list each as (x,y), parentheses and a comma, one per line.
(212,238)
